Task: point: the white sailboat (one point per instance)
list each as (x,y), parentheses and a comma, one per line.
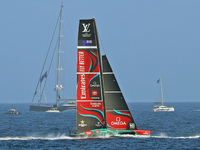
(161,107)
(57,107)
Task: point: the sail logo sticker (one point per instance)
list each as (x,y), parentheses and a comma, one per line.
(88,133)
(86,30)
(95,95)
(94,84)
(81,58)
(82,124)
(118,122)
(86,27)
(95,104)
(97,131)
(98,124)
(86,42)
(82,76)
(145,133)
(94,92)
(132,125)
(83,88)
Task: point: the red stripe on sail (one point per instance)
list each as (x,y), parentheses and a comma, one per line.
(91,109)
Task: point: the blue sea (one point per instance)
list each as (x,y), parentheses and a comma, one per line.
(39,130)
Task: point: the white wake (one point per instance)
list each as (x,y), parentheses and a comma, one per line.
(64,137)
(164,135)
(49,137)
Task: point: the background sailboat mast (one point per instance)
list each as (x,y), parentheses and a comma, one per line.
(58,70)
(161,90)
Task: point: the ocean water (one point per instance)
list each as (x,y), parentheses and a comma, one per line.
(38,130)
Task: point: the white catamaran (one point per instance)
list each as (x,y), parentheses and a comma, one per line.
(67,103)
(161,107)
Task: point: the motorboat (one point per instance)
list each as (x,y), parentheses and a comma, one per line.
(13,111)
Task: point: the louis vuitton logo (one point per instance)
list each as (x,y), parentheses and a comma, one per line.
(86,27)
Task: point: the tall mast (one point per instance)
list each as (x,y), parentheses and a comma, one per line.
(58,86)
(161,90)
(101,70)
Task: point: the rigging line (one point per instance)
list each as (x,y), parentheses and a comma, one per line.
(49,67)
(46,57)
(102,45)
(64,78)
(167,95)
(68,21)
(159,95)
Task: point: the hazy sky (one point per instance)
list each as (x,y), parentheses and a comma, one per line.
(144,40)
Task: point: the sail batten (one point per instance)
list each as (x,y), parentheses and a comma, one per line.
(87,72)
(88,100)
(87,47)
(113,92)
(108,73)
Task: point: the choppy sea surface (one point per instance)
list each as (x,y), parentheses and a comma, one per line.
(39,130)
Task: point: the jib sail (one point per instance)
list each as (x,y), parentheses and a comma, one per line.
(117,112)
(90,111)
